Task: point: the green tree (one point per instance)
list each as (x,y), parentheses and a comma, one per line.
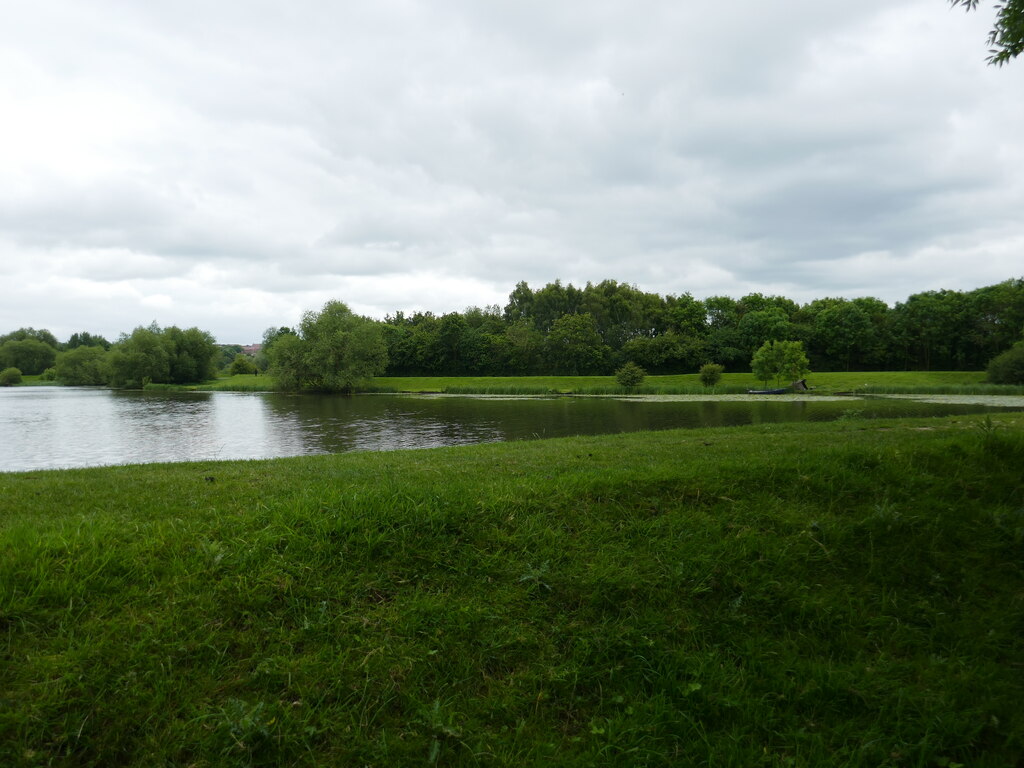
(83,366)
(761,325)
(288,364)
(193,355)
(9,377)
(86,339)
(242,365)
(844,332)
(140,357)
(524,346)
(1007,36)
(270,335)
(1008,368)
(335,351)
(711,374)
(41,334)
(630,375)
(28,354)
(780,360)
(574,346)
(553,301)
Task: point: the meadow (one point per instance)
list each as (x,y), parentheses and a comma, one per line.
(842,594)
(871,382)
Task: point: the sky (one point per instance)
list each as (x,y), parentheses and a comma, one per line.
(231,165)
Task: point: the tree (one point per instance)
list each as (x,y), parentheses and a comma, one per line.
(83,366)
(86,339)
(711,374)
(575,347)
(761,325)
(335,351)
(630,375)
(9,377)
(193,355)
(140,357)
(1008,368)
(843,331)
(1007,36)
(28,354)
(781,360)
(242,365)
(41,334)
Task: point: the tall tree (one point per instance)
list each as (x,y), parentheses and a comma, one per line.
(28,354)
(575,347)
(86,339)
(83,365)
(781,360)
(140,357)
(335,351)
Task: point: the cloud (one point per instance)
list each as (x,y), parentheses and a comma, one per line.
(230,166)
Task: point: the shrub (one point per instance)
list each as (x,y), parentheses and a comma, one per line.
(83,366)
(9,377)
(242,365)
(711,374)
(630,375)
(50,374)
(1008,368)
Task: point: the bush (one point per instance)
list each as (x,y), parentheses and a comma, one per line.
(50,374)
(711,374)
(630,375)
(1008,368)
(9,377)
(83,366)
(242,365)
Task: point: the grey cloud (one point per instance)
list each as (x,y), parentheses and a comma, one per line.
(282,152)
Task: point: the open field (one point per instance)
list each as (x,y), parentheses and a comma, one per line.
(880,382)
(846,594)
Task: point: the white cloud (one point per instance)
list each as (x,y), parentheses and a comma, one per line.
(231,165)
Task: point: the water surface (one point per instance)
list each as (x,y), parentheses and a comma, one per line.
(54,427)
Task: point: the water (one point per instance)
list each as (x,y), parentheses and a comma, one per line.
(53,427)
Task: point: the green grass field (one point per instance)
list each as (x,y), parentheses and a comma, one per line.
(967,382)
(846,594)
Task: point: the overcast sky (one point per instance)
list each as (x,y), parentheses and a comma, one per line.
(229,165)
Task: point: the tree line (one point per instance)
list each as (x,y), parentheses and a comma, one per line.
(562,329)
(556,329)
(149,354)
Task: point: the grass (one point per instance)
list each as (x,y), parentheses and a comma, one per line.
(36,381)
(841,594)
(891,381)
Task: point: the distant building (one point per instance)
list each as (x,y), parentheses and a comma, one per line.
(252,349)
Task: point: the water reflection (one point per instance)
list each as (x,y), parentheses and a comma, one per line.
(48,427)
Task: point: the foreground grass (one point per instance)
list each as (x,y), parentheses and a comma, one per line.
(819,594)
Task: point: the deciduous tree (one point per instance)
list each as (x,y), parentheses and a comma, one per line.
(780,360)
(1007,36)
(83,366)
(335,351)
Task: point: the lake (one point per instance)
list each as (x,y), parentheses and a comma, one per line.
(58,427)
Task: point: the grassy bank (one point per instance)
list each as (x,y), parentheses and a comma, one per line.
(879,382)
(819,594)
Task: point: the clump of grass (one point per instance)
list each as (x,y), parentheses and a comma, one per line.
(808,595)
(500,389)
(660,389)
(944,389)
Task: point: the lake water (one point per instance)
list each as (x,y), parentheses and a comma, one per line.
(56,427)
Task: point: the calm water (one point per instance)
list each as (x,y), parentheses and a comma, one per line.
(50,427)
